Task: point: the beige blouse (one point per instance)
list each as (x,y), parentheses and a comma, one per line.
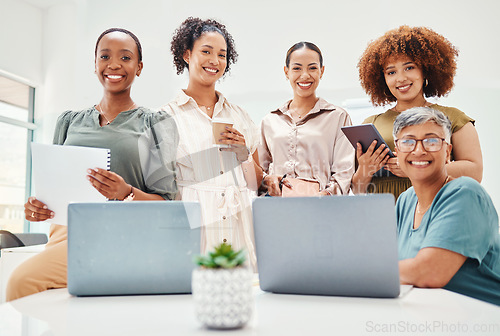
(314,148)
(215,178)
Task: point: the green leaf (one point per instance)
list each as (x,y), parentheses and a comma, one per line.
(223,256)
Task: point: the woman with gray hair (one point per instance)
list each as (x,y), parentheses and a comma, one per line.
(447,227)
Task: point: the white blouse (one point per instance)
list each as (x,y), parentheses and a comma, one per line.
(213,177)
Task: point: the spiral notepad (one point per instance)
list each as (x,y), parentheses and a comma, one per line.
(60,176)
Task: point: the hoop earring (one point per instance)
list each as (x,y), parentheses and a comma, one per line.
(426,83)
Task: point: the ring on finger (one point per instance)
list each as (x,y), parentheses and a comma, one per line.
(33,214)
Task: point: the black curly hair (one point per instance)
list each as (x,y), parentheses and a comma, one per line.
(125,31)
(191,30)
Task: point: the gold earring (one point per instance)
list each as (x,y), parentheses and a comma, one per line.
(426,82)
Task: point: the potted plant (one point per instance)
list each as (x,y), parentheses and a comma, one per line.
(222,288)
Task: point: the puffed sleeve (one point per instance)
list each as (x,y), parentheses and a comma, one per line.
(62,126)
(157,150)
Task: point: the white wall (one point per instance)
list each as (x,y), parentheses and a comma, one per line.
(21,41)
(263,31)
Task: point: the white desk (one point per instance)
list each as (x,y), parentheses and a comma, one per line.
(421,311)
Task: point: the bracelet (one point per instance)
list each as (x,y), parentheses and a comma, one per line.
(131,196)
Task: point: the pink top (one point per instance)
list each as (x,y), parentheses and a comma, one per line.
(315,148)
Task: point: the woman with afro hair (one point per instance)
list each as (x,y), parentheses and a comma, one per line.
(223,179)
(405,66)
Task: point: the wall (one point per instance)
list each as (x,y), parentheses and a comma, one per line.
(21,41)
(263,31)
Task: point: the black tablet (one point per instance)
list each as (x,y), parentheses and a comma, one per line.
(364,134)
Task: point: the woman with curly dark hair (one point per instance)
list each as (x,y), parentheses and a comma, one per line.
(405,66)
(218,175)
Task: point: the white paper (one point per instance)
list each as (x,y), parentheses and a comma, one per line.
(60,176)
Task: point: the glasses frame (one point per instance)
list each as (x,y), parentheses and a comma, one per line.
(443,140)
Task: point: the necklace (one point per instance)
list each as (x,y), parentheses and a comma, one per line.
(207,107)
(110,121)
(420,211)
(297,114)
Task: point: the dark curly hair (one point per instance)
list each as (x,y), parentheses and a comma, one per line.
(191,30)
(433,53)
(125,31)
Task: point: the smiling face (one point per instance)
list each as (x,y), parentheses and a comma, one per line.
(304,72)
(421,165)
(405,80)
(207,61)
(117,62)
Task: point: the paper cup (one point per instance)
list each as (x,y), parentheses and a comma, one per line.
(218,127)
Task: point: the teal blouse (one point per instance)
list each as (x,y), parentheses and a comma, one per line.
(462,219)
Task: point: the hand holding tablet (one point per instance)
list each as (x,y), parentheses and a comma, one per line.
(364,134)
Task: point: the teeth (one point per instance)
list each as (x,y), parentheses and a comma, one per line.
(114,76)
(404,87)
(211,70)
(304,84)
(420,163)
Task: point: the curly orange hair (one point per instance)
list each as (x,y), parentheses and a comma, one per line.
(433,53)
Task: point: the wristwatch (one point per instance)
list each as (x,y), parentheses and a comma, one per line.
(130,196)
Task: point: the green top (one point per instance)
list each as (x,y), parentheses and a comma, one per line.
(143,145)
(384,123)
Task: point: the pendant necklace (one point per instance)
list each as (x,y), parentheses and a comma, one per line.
(106,119)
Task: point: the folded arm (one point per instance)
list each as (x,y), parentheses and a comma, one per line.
(432,267)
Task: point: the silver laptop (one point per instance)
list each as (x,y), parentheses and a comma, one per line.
(119,248)
(338,245)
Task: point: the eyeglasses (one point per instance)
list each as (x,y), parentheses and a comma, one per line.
(430,144)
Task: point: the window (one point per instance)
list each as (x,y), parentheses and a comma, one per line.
(16,134)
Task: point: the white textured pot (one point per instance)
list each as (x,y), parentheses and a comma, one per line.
(223,297)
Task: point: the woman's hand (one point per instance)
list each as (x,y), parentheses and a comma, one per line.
(393,166)
(109,184)
(237,142)
(368,164)
(36,211)
(373,159)
(273,182)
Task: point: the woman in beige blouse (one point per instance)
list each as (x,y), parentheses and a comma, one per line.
(302,140)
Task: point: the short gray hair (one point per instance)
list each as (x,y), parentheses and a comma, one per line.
(421,115)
